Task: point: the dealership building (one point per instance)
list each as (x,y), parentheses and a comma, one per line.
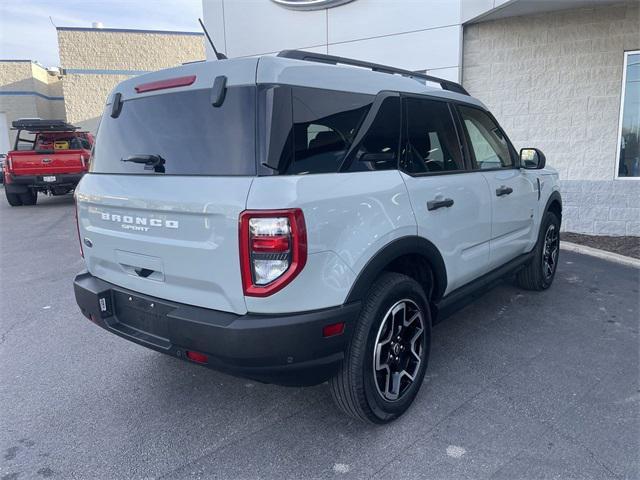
(563,75)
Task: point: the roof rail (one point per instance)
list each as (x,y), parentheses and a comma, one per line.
(376,67)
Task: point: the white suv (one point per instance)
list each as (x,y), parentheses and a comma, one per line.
(302,218)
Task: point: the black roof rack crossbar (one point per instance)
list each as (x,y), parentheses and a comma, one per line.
(376,67)
(38,125)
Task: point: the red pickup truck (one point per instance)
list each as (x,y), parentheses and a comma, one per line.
(49,156)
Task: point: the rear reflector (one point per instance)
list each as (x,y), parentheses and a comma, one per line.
(168,83)
(333,329)
(197,357)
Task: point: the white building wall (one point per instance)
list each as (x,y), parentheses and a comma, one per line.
(4,133)
(554,81)
(416,35)
(471,9)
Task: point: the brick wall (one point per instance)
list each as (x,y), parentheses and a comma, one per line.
(128,50)
(554,82)
(85,96)
(96,60)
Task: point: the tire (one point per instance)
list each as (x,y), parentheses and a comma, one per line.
(539,274)
(29,198)
(362,390)
(13,198)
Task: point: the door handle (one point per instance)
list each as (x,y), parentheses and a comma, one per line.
(503,190)
(436,204)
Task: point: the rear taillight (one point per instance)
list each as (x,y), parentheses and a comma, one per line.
(10,163)
(78,231)
(273,249)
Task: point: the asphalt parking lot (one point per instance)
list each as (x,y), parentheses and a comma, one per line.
(520,385)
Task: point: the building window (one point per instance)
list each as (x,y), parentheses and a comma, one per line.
(629,131)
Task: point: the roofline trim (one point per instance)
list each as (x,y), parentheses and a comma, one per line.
(128,30)
(8,93)
(106,71)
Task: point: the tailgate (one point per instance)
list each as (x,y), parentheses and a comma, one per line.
(172,237)
(32,163)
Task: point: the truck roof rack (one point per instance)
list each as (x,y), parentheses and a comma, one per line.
(38,125)
(376,67)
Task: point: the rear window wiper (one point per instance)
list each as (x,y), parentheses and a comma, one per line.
(150,162)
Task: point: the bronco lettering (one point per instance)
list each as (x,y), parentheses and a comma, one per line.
(128,220)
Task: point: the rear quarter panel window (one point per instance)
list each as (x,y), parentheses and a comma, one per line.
(310,130)
(325,123)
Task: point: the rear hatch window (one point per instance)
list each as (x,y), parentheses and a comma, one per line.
(179,134)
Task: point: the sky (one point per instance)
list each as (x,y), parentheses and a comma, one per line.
(26,31)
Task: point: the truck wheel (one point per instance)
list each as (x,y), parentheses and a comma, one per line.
(386,360)
(29,198)
(13,198)
(539,273)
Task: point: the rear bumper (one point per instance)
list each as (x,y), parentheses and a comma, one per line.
(20,183)
(286,349)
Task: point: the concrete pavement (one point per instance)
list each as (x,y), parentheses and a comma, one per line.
(520,385)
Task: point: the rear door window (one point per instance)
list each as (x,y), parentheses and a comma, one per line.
(432,141)
(180,134)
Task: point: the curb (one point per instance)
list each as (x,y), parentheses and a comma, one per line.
(596,252)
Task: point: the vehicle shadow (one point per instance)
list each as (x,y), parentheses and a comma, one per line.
(48,201)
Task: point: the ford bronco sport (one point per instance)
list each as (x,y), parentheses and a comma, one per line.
(302,218)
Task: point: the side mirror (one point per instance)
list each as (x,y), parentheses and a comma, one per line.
(378,157)
(532,159)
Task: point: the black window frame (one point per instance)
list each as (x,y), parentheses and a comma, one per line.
(454,119)
(379,99)
(473,164)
